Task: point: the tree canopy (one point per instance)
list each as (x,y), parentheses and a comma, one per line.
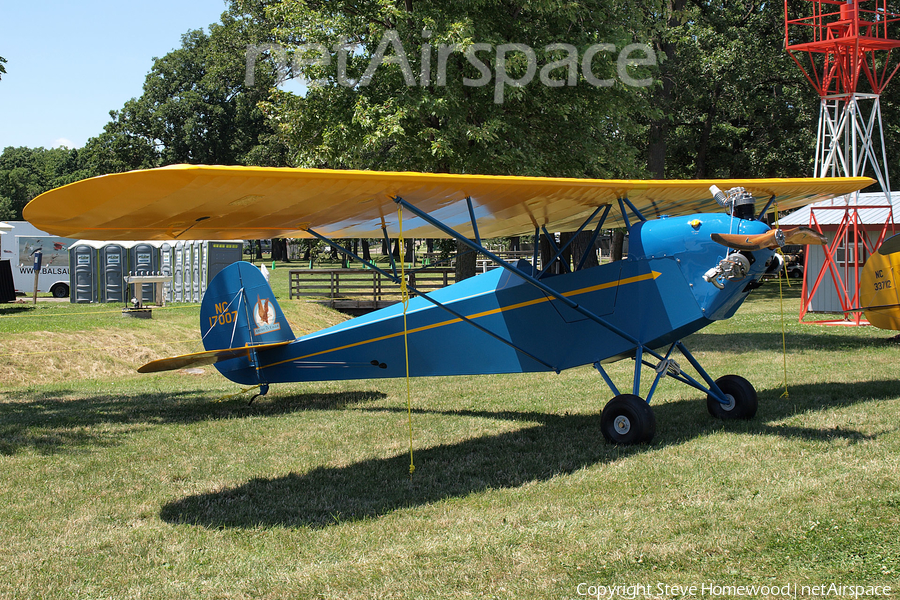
(195,107)
(738,106)
(530,88)
(28,172)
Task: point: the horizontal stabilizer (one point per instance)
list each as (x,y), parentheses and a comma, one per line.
(199,359)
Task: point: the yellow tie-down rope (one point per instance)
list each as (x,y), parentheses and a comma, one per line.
(781,277)
(404,297)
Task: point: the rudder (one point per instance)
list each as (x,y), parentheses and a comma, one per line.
(239,309)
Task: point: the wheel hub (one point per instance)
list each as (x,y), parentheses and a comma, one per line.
(622,425)
(730,404)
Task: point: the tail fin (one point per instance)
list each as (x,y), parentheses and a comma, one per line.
(239,310)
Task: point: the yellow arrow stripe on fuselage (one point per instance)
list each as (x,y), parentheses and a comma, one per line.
(594,288)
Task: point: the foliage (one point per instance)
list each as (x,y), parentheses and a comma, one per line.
(739,106)
(726,100)
(117,149)
(2,68)
(430,119)
(195,107)
(28,172)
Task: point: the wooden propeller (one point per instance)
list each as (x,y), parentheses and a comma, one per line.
(774,238)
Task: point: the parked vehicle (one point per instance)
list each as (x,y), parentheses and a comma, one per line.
(793,260)
(19,245)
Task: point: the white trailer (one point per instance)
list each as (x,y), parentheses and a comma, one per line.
(18,246)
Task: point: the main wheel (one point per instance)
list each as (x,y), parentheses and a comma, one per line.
(627,419)
(741,396)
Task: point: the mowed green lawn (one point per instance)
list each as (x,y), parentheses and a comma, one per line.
(117,485)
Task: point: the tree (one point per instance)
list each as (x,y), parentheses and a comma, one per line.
(27,172)
(409,97)
(118,149)
(617,246)
(733,102)
(582,246)
(196,107)
(2,68)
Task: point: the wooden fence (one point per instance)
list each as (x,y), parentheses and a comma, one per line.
(355,289)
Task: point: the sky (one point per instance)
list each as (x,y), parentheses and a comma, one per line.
(69,63)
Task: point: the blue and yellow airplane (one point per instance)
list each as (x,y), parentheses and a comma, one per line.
(686,268)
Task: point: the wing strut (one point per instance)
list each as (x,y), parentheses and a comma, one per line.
(536,283)
(556,249)
(387,242)
(394,278)
(622,202)
(590,246)
(474,222)
(560,251)
(766,208)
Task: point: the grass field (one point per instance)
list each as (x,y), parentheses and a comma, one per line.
(116,485)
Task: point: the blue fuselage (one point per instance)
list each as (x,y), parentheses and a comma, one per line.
(657,296)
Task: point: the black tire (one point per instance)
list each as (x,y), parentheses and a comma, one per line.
(60,290)
(743,399)
(627,419)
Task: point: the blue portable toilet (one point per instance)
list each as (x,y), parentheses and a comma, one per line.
(204,268)
(195,270)
(221,254)
(166,256)
(178,272)
(113,266)
(84,276)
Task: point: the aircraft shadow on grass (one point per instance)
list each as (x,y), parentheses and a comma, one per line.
(53,422)
(556,445)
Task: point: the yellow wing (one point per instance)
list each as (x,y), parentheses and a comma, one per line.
(214,202)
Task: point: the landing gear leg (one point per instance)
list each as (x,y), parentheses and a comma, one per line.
(628,419)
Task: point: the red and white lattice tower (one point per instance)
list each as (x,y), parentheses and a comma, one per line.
(844,49)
